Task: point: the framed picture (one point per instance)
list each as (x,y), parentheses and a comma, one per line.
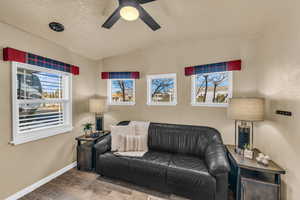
(162,90)
(211,89)
(121,91)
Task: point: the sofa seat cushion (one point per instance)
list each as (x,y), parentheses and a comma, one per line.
(112,166)
(189,173)
(149,170)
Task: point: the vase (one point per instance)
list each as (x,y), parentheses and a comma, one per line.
(86,133)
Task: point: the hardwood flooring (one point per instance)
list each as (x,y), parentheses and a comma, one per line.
(78,185)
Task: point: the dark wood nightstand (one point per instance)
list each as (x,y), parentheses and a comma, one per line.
(248,178)
(85,151)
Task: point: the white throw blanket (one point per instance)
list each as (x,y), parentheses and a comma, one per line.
(135,145)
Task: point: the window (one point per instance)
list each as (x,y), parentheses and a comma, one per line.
(121,91)
(212,89)
(162,89)
(41,101)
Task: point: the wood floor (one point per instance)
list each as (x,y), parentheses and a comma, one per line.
(77,185)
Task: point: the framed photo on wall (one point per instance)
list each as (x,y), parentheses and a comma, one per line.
(162,90)
(212,89)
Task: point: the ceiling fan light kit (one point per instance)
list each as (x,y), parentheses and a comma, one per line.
(131,10)
(129,13)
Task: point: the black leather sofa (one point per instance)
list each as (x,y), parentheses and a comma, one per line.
(185,160)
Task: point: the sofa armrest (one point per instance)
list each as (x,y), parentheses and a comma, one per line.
(103,145)
(216,159)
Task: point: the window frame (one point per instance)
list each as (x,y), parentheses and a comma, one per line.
(28,136)
(109,93)
(149,89)
(193,91)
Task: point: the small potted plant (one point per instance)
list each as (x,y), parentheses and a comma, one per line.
(87,128)
(248,153)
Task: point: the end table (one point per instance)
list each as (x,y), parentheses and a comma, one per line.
(248,178)
(86,160)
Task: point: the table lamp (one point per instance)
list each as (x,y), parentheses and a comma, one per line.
(245,111)
(97,106)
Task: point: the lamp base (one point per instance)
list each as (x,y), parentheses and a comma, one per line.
(244,136)
(99,123)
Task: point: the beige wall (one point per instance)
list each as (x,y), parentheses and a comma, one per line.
(278,61)
(271,68)
(23,165)
(172,58)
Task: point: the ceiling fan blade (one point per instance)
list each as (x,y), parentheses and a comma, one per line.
(144,15)
(108,7)
(144,1)
(112,19)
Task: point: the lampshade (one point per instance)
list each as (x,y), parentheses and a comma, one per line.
(129,13)
(246,109)
(97,105)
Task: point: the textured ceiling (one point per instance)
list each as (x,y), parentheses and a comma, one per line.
(179,19)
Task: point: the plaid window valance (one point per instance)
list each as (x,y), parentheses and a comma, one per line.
(234,65)
(10,54)
(120,75)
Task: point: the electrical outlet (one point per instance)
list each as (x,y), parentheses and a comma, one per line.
(285,113)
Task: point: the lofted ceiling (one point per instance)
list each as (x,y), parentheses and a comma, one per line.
(179,19)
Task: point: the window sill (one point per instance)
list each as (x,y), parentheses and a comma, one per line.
(161,104)
(224,105)
(37,135)
(121,104)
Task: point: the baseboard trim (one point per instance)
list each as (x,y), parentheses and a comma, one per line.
(41,182)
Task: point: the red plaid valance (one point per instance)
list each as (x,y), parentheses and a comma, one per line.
(10,54)
(120,75)
(234,65)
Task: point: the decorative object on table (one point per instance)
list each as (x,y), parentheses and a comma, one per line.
(248,153)
(87,128)
(249,181)
(86,156)
(95,135)
(263,159)
(97,106)
(245,111)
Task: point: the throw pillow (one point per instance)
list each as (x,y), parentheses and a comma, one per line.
(134,143)
(141,127)
(117,142)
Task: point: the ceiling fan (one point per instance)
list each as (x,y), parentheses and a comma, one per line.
(131,10)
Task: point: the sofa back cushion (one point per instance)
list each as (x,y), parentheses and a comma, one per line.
(185,139)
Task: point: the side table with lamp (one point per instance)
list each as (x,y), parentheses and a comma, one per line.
(249,179)
(85,144)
